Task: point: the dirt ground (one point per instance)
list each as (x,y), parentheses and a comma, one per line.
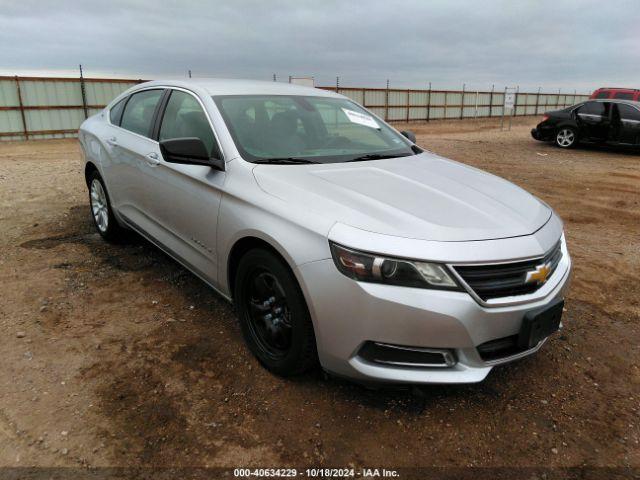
(115,355)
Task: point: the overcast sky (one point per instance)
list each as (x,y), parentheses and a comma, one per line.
(553,44)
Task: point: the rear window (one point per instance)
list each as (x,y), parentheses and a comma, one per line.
(624,95)
(593,108)
(603,94)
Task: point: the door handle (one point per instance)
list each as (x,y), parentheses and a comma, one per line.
(152,159)
(113,141)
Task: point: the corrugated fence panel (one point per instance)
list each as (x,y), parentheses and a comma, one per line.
(8,93)
(436,112)
(483,111)
(469,98)
(397,98)
(437,98)
(418,113)
(67,119)
(374,97)
(10,121)
(419,98)
(101,93)
(43,93)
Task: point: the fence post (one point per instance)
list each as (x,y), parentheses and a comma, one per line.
(476,112)
(491,101)
(84,93)
(429,102)
(408,103)
(502,118)
(462,102)
(538,101)
(386,103)
(445,106)
(515,102)
(24,120)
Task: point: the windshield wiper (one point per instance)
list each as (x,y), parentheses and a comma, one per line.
(376,156)
(285,160)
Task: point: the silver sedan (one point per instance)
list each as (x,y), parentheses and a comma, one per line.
(339,240)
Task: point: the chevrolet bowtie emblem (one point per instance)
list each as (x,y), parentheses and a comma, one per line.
(539,275)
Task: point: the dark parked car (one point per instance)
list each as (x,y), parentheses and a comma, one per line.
(612,122)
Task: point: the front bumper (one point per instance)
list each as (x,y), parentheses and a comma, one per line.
(347,314)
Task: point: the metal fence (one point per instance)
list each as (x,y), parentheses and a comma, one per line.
(51,107)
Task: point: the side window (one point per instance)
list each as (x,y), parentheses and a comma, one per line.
(593,108)
(184,117)
(603,94)
(115,113)
(138,114)
(628,112)
(624,96)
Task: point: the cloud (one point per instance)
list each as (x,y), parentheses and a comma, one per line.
(554,44)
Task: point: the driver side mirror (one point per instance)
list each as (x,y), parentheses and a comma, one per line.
(189,151)
(410,135)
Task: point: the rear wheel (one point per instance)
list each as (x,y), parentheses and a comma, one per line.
(101,210)
(274,318)
(567,137)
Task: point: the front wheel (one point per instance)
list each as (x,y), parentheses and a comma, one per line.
(274,317)
(567,137)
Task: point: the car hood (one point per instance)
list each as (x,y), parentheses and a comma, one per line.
(422,196)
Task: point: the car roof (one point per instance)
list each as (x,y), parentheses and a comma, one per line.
(626,89)
(219,86)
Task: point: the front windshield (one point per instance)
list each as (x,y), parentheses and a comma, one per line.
(307,129)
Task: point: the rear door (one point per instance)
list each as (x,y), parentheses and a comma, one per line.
(183,200)
(132,149)
(629,124)
(594,120)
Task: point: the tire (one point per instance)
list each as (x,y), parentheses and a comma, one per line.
(101,211)
(273,314)
(566,137)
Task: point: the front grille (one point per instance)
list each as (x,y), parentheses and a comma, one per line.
(507,279)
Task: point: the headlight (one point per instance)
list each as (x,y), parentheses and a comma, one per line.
(367,267)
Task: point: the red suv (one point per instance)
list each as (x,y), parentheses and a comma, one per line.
(619,93)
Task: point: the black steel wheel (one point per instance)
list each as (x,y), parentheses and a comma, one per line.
(273,315)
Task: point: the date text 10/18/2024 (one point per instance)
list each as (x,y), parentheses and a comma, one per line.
(316,473)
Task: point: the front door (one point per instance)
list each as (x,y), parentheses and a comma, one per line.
(594,121)
(131,148)
(183,200)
